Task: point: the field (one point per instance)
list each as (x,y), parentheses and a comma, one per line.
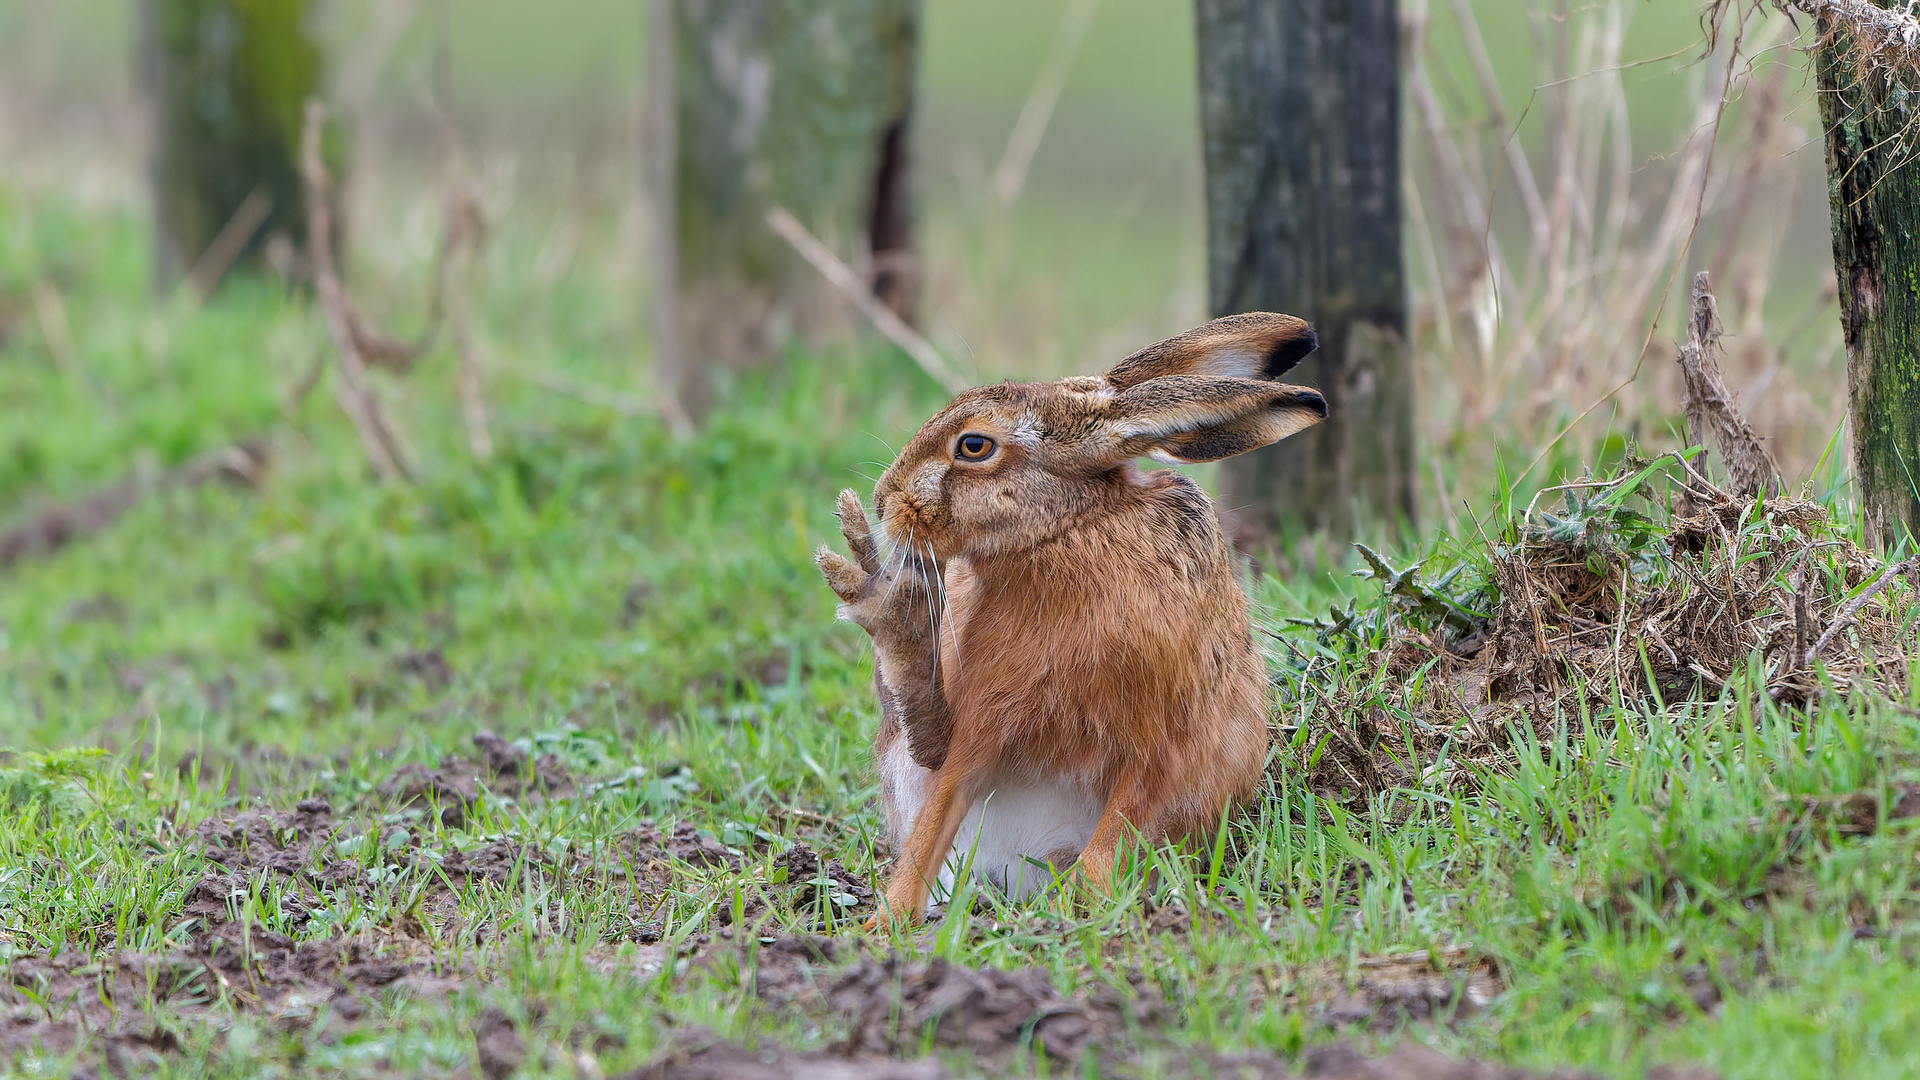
(555,763)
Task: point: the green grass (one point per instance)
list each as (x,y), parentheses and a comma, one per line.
(646,609)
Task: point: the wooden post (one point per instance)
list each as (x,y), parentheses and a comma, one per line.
(1874,192)
(1300,118)
(228,81)
(805,104)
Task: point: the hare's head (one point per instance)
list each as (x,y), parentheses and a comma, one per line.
(1008,466)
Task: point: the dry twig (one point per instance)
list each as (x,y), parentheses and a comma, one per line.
(459,245)
(356,395)
(1011,174)
(598,396)
(842,277)
(1711,411)
(51,309)
(228,243)
(1851,609)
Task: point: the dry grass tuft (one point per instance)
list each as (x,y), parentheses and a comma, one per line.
(1553,232)
(1712,414)
(1601,608)
(1881,43)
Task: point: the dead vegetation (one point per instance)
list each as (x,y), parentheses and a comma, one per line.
(1882,44)
(1712,414)
(1613,598)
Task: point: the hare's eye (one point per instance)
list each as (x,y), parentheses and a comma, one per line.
(974,448)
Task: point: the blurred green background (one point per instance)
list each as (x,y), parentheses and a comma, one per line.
(1104,251)
(595,552)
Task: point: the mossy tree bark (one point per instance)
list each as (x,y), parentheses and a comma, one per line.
(1874,193)
(805,104)
(228,81)
(1300,118)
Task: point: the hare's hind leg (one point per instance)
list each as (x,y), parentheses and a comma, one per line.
(927,845)
(1133,805)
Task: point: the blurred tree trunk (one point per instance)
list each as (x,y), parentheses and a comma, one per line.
(1300,119)
(1874,190)
(228,81)
(804,104)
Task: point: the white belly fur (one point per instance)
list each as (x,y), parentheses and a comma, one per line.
(1016,821)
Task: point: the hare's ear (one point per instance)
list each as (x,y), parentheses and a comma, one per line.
(1189,419)
(1257,345)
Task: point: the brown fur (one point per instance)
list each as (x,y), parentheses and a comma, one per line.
(1055,611)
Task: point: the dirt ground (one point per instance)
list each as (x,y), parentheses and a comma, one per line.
(891,1008)
(124,1011)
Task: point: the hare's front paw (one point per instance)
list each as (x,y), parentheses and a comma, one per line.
(888,602)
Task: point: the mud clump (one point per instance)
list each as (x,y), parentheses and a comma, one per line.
(1400,988)
(814,885)
(1411,1061)
(32,1020)
(319,855)
(455,785)
(992,1014)
(683,842)
(427,665)
(894,1004)
(286,843)
(786,969)
(699,1055)
(498,1043)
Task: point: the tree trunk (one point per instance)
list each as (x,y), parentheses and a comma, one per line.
(804,104)
(1300,117)
(228,81)
(1874,191)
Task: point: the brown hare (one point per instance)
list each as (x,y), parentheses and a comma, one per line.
(1061,652)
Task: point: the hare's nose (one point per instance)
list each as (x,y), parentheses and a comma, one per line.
(926,481)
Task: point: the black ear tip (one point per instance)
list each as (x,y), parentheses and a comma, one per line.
(1311,399)
(1289,351)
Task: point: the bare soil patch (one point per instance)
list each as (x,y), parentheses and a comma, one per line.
(1411,1061)
(1394,989)
(700,1055)
(258,929)
(896,1003)
(894,1006)
(456,784)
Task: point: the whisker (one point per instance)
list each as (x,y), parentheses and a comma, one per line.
(890,450)
(933,617)
(939,616)
(887,559)
(893,572)
(940,578)
(895,565)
